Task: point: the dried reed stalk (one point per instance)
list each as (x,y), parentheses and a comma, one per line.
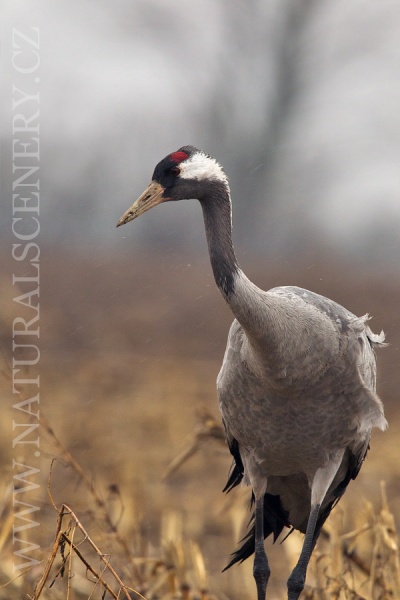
(61,539)
(99,502)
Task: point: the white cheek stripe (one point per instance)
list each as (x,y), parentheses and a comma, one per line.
(200,166)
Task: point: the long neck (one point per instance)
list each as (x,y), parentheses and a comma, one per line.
(243,297)
(218,224)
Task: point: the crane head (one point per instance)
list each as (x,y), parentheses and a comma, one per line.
(184,174)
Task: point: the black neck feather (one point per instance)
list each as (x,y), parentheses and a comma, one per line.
(216,205)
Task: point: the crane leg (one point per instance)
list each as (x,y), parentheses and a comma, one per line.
(320,485)
(297,578)
(261,570)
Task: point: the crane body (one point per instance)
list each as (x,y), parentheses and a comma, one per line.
(297,385)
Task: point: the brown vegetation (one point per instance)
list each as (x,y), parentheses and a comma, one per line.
(132,506)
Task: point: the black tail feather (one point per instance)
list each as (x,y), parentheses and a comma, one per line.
(235,477)
(275,519)
(237,471)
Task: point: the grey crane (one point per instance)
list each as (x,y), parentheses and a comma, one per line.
(297,385)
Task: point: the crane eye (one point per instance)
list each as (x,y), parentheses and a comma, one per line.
(175,171)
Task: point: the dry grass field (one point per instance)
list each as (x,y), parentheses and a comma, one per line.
(127,501)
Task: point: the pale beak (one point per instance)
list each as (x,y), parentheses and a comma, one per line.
(151,196)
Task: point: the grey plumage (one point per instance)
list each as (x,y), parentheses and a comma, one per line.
(315,401)
(297,384)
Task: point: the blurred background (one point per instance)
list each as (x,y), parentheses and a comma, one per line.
(300,103)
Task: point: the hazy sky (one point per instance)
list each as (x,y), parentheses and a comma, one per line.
(298,102)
